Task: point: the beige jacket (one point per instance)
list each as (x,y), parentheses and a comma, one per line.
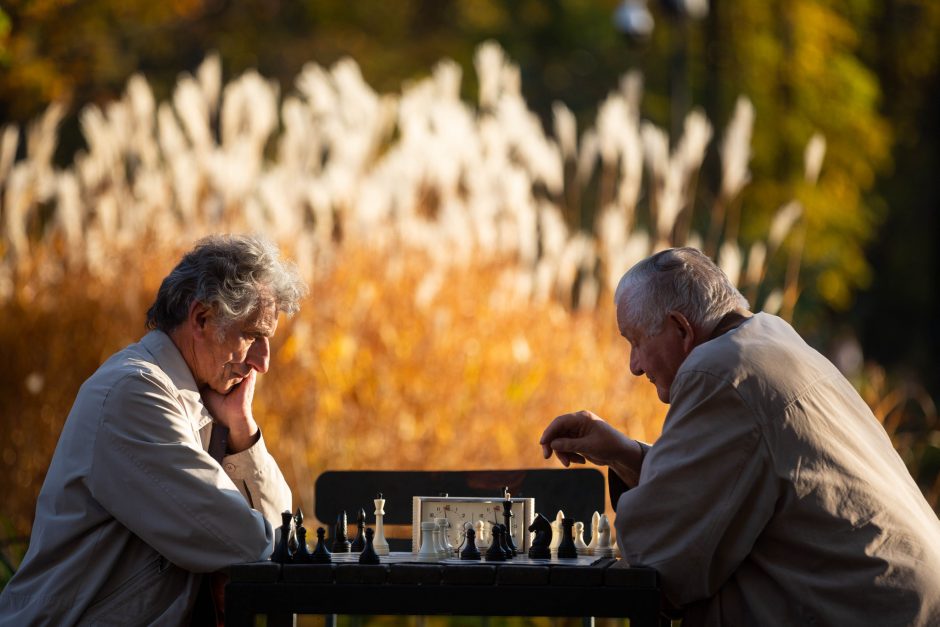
(133,508)
(774,496)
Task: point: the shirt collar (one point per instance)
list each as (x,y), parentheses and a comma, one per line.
(171,362)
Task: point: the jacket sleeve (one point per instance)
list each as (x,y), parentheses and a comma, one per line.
(707,489)
(150,472)
(258,477)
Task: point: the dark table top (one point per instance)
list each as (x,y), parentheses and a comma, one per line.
(585,586)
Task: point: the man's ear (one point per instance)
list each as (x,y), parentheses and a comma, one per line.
(199,316)
(684,329)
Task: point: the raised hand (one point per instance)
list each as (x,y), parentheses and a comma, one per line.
(582,436)
(233,410)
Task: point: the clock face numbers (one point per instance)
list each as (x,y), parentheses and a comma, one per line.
(459,511)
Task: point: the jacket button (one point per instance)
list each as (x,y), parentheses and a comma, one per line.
(230,467)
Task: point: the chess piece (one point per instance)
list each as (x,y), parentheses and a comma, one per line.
(281,553)
(470,551)
(603,548)
(579,538)
(507,521)
(566,548)
(447,549)
(360,542)
(321,555)
(340,543)
(293,543)
(543,538)
(368,555)
(595,519)
(302,554)
(556,531)
(483,539)
(495,552)
(380,543)
(428,552)
(502,542)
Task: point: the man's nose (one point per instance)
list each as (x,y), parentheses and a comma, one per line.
(635,368)
(259,355)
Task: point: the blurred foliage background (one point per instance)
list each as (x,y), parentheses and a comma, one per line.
(795,140)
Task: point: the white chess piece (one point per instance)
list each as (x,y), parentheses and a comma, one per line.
(579,538)
(595,519)
(443,541)
(379,542)
(613,542)
(428,552)
(556,531)
(603,548)
(483,538)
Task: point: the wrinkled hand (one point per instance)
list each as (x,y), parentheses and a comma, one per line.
(582,436)
(233,410)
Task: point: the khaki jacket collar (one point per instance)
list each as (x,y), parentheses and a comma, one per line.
(168,357)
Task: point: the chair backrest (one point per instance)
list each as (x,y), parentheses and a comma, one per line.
(579,492)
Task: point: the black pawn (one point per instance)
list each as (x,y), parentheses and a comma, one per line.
(281,553)
(507,517)
(302,554)
(495,552)
(567,549)
(359,544)
(321,555)
(470,551)
(502,542)
(340,542)
(368,555)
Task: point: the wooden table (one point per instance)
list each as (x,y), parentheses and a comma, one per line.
(585,587)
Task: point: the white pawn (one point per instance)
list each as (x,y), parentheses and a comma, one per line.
(603,548)
(379,542)
(483,537)
(579,538)
(428,552)
(613,542)
(556,532)
(595,520)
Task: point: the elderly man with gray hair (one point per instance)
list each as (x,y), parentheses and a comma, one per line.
(773,496)
(161,473)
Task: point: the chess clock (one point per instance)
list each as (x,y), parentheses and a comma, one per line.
(461,509)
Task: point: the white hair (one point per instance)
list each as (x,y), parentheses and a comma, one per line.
(677,279)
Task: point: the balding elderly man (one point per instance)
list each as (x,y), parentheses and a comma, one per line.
(161,473)
(773,495)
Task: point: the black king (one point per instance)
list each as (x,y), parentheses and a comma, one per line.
(507,518)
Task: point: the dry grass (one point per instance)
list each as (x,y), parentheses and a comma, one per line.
(452,314)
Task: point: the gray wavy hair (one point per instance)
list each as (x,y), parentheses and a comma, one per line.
(234,274)
(677,279)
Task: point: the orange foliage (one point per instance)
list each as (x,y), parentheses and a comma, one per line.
(380,370)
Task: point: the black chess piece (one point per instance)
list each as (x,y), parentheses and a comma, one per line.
(281,553)
(543,538)
(502,542)
(507,518)
(470,550)
(567,549)
(302,554)
(360,542)
(340,542)
(321,555)
(368,555)
(495,552)
(293,544)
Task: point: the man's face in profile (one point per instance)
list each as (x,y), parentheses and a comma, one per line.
(226,354)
